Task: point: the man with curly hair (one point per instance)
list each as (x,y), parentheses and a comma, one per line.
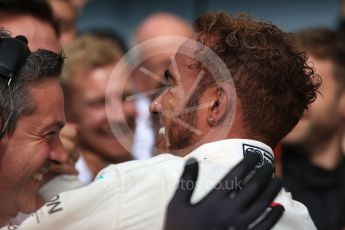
(233,91)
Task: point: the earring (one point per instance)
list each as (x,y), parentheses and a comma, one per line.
(211,121)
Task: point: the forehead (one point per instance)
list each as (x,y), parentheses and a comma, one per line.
(157,61)
(62,9)
(188,48)
(40,34)
(97,78)
(185,59)
(323,67)
(96,82)
(320,63)
(40,91)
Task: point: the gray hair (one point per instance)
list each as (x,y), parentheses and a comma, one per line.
(39,65)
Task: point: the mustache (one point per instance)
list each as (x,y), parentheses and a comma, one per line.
(157,121)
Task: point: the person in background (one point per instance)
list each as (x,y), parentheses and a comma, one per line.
(65,14)
(79,4)
(33,19)
(155,26)
(313,159)
(153,62)
(85,78)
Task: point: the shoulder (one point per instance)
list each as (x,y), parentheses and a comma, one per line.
(163,163)
(296,215)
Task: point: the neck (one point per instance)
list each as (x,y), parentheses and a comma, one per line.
(324,153)
(328,154)
(94,162)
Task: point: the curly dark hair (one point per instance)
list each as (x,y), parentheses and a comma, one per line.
(273,82)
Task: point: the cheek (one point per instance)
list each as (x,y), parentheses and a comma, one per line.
(173,100)
(324,104)
(31,158)
(91,118)
(129,110)
(39,152)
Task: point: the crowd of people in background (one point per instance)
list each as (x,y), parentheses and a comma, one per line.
(77,119)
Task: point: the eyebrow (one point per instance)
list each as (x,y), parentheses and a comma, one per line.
(56,125)
(59,124)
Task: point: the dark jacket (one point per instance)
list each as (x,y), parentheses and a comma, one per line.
(323,192)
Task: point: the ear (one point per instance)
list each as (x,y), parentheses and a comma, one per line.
(219,108)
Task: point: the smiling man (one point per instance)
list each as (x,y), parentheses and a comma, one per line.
(204,119)
(85,78)
(30,124)
(34,20)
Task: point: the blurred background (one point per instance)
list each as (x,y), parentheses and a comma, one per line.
(123,16)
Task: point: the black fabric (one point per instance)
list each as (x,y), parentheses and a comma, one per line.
(323,192)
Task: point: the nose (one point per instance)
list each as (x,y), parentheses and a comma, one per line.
(58,153)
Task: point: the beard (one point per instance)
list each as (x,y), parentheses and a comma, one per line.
(181,137)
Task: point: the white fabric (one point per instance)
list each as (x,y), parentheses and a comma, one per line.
(144,134)
(84,173)
(134,195)
(58,184)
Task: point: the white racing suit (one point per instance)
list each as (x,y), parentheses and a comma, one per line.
(135,195)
